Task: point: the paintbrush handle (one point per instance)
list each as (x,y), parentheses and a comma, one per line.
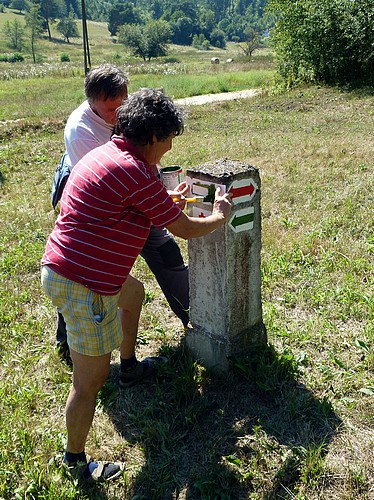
(195,199)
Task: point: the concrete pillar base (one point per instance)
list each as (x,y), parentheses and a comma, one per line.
(217,352)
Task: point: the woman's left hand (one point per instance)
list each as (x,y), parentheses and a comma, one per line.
(179,194)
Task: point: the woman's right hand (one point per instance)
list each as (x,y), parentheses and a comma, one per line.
(222,203)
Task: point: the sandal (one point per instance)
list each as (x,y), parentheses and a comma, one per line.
(94,471)
(142,369)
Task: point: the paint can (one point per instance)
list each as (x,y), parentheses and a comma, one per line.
(171,176)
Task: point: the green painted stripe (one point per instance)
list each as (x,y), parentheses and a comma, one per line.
(239,220)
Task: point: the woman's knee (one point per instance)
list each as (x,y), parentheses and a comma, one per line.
(89,372)
(89,385)
(132,294)
(139,291)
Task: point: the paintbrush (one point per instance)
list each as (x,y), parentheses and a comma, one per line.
(194,199)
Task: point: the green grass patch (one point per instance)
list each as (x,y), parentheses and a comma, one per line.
(186,85)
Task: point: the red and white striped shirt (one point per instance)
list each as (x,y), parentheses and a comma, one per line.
(107,207)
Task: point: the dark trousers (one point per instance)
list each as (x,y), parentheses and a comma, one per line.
(163,256)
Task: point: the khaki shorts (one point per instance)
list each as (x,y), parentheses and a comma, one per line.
(92,322)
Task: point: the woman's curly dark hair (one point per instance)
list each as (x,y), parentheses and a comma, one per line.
(148,113)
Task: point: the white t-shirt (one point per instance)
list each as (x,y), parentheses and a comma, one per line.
(84,131)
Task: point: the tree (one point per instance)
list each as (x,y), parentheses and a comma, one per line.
(97,10)
(19,5)
(158,34)
(218,38)
(183,30)
(131,36)
(68,27)
(123,13)
(14,32)
(157,9)
(207,21)
(221,8)
(49,11)
(147,41)
(200,42)
(181,8)
(34,24)
(233,27)
(75,6)
(330,41)
(251,42)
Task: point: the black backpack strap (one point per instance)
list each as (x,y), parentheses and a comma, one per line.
(61,176)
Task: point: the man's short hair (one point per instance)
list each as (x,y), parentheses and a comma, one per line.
(106,82)
(148,113)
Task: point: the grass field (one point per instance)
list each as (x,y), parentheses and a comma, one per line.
(294,420)
(103,47)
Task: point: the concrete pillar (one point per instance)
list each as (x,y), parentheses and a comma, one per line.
(225,274)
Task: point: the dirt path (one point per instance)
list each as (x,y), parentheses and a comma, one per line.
(225,96)
(195,100)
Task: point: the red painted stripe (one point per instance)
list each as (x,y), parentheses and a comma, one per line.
(242,191)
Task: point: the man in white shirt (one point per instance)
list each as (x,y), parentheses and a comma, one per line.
(89,126)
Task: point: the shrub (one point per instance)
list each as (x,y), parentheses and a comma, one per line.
(11,58)
(330,41)
(150,40)
(171,60)
(218,38)
(200,42)
(64,57)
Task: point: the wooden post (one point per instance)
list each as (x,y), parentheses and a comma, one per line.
(86,49)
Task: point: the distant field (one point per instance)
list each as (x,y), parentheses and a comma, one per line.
(184,72)
(103,48)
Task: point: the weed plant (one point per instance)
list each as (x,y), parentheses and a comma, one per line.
(293,419)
